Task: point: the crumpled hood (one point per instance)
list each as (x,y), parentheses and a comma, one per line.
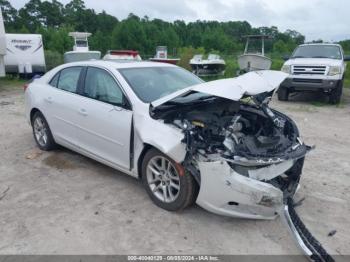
(251,83)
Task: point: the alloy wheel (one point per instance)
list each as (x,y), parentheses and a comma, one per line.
(163,179)
(40,131)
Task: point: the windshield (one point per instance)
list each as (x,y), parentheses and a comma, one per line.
(152,83)
(317,51)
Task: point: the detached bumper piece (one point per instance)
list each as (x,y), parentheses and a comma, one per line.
(310,246)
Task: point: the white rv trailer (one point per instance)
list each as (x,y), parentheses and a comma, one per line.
(2,46)
(24,54)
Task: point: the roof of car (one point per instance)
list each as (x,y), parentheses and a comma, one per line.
(120,64)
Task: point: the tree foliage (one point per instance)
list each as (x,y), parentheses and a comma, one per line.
(54,20)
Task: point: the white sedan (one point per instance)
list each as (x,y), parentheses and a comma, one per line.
(216,143)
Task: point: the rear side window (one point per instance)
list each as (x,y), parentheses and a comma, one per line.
(69,78)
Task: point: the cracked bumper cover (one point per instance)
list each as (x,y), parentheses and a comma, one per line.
(225,192)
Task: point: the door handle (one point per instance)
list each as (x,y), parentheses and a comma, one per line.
(49,100)
(83,112)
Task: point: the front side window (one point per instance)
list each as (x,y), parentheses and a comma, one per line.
(69,78)
(100,85)
(318,51)
(151,83)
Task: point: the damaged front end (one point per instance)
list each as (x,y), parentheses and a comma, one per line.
(246,157)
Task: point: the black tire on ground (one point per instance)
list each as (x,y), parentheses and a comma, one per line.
(282,94)
(187,193)
(49,143)
(335,94)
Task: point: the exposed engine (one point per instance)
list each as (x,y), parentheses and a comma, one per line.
(233,130)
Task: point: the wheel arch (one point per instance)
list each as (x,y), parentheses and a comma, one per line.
(32,113)
(145,149)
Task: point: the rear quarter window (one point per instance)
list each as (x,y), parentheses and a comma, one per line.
(69,78)
(54,80)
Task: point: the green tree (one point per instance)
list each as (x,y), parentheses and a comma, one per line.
(52,13)
(280,47)
(30,15)
(10,15)
(129,35)
(100,41)
(54,21)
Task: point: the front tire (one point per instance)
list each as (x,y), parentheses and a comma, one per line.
(167,185)
(42,133)
(335,95)
(282,94)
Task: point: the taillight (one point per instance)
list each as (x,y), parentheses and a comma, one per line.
(25,87)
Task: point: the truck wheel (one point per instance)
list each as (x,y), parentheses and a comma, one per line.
(335,95)
(282,94)
(168,186)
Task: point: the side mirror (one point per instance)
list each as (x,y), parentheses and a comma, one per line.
(285,57)
(347,58)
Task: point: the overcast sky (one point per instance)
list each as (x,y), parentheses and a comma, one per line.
(325,19)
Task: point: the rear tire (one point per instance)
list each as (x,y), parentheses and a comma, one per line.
(167,186)
(335,95)
(42,133)
(282,94)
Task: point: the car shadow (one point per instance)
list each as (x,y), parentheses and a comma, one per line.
(319,98)
(67,161)
(308,96)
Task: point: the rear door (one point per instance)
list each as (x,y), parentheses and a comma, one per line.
(104,125)
(62,104)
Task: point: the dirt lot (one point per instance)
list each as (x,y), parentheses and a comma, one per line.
(63,203)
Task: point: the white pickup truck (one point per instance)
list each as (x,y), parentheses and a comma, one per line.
(315,67)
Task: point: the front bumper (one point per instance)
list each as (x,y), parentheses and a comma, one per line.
(304,239)
(226,192)
(297,83)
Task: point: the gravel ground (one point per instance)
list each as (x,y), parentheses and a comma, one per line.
(63,203)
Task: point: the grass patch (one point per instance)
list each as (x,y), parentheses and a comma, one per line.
(303,108)
(319,103)
(323,104)
(8,83)
(347,77)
